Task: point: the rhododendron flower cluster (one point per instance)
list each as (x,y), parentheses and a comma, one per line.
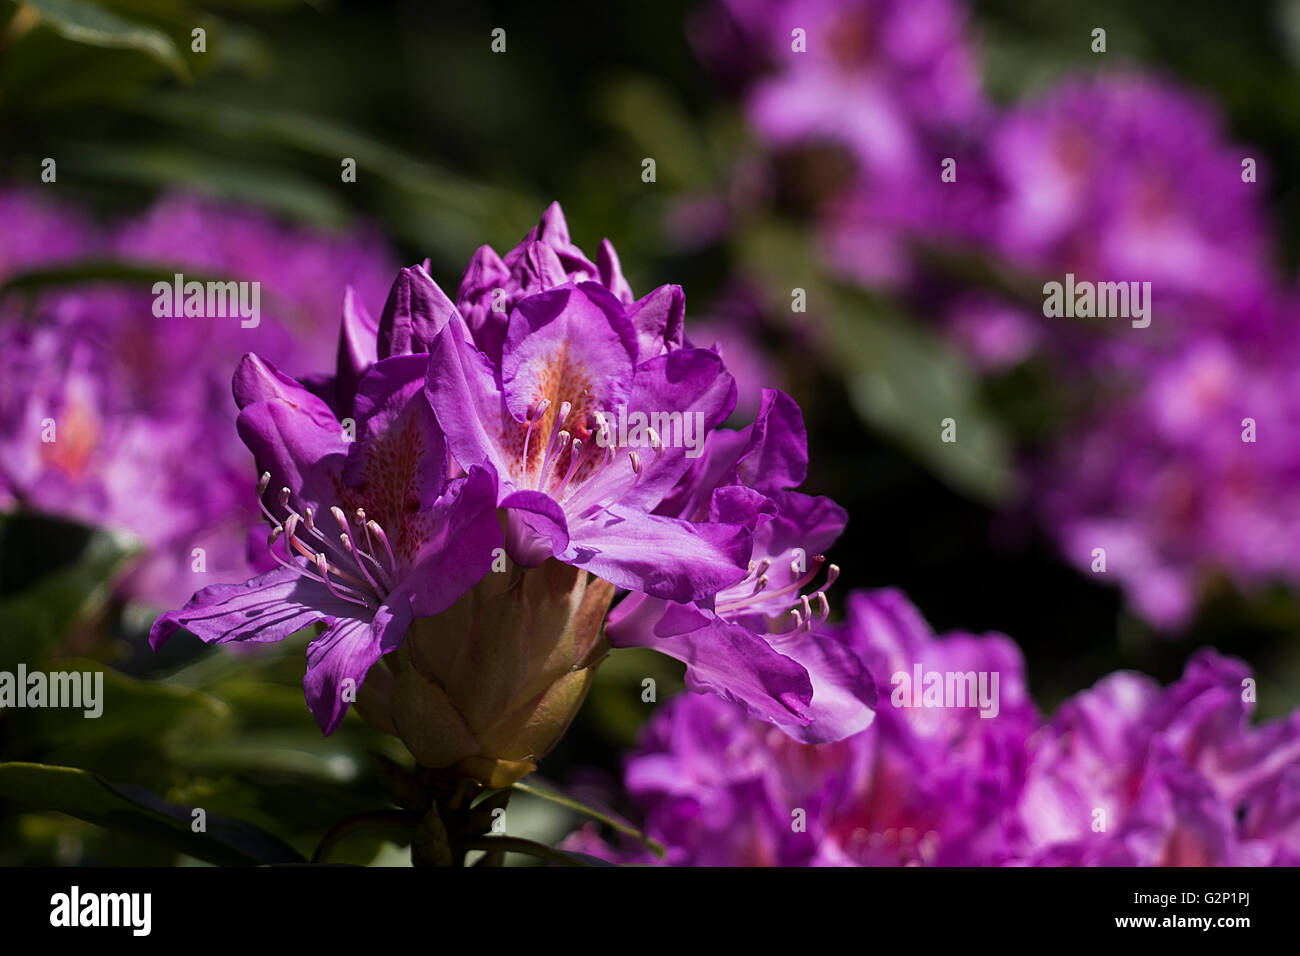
(1110,177)
(92,431)
(1126,773)
(461,493)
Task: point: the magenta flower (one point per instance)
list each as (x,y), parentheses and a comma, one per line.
(551,418)
(544,259)
(759,641)
(1130,774)
(1126,774)
(371,534)
(921,784)
(893,86)
(129,441)
(1190,472)
(1151,191)
(591,441)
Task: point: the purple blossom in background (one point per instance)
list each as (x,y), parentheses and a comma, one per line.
(1159,473)
(892,84)
(1114,177)
(154,454)
(919,785)
(1124,177)
(1164,482)
(1179,774)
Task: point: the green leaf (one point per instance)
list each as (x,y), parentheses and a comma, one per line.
(136,714)
(93,25)
(96,270)
(902,378)
(288,193)
(426,202)
(39,616)
(657,125)
(130,809)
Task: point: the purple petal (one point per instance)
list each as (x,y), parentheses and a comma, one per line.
(735,664)
(346,651)
(459,551)
(400,455)
(267,608)
(357,348)
(461,386)
(844,695)
(610,272)
(416,311)
(536,528)
(571,343)
(778,458)
(659,319)
(666,557)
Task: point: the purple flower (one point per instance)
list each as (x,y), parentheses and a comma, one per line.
(129,442)
(587,420)
(1124,177)
(544,259)
(1129,774)
(890,84)
(371,533)
(868,73)
(921,784)
(758,641)
(592,440)
(1190,472)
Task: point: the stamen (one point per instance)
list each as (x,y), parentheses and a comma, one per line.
(804,613)
(322,566)
(383,539)
(573,466)
(340,517)
(361,565)
(557,437)
(534,416)
(635,459)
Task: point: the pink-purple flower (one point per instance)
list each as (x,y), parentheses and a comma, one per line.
(366,528)
(590,439)
(92,430)
(1127,773)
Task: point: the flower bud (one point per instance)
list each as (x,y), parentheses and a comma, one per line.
(488,687)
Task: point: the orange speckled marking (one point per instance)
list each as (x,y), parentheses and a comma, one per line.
(560,379)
